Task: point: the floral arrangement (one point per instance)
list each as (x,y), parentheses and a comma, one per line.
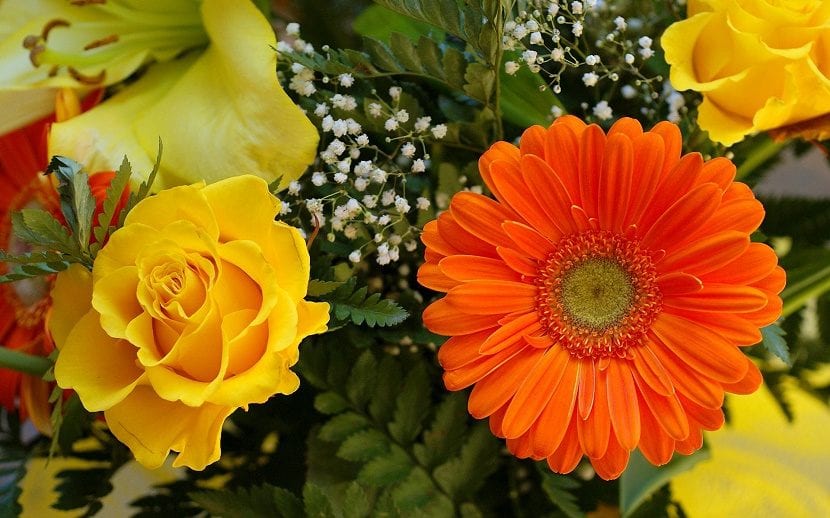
(413,258)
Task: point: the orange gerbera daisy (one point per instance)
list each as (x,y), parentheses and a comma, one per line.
(25,304)
(598,304)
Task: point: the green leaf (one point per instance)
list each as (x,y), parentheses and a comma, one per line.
(804,284)
(480,82)
(356,504)
(417,491)
(143,189)
(330,403)
(806,220)
(387,387)
(412,405)
(77,203)
(363,446)
(317,288)
(525,99)
(357,307)
(341,426)
(265,500)
(773,340)
(316,502)
(446,433)
(641,479)
(114,191)
(559,489)
(405,52)
(361,383)
(463,475)
(386,469)
(379,22)
(39,228)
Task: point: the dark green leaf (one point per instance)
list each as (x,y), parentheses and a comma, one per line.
(412,405)
(463,475)
(116,187)
(330,403)
(316,502)
(559,489)
(446,434)
(356,504)
(361,383)
(317,288)
(363,446)
(386,469)
(641,479)
(343,425)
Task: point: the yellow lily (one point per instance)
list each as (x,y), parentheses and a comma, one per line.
(219,110)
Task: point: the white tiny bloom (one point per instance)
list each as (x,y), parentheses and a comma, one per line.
(362,140)
(422,203)
(353,126)
(363,168)
(336,146)
(592,60)
(602,111)
(395,92)
(360,184)
(321,110)
(418,166)
(346,80)
(293,29)
(284,47)
(520,32)
(529,56)
(375,109)
(646,53)
(576,7)
(294,188)
(576,29)
(556,111)
(509,26)
(328,123)
(394,240)
(439,131)
(370,201)
(391,124)
(511,67)
(628,92)
(297,68)
(619,21)
(385,219)
(352,205)
(476,189)
(340,177)
(422,124)
(339,128)
(308,49)
(285,208)
(318,178)
(344,166)
(590,79)
(645,42)
(629,58)
(557,54)
(532,25)
(411,246)
(536,38)
(355,256)
(553,8)
(388,197)
(408,150)
(378,175)
(402,115)
(314,205)
(350,231)
(402,205)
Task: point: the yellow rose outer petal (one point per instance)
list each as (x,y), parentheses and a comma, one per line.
(242,195)
(71,300)
(115,299)
(182,204)
(101,369)
(151,427)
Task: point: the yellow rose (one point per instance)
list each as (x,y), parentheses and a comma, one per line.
(196,310)
(760,65)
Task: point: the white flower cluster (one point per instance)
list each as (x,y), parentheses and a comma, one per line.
(357,192)
(557,37)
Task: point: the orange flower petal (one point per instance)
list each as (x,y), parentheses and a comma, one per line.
(521,200)
(496,389)
(510,333)
(431,276)
(667,410)
(655,444)
(439,317)
(719,170)
(471,268)
(528,240)
(549,430)
(626,126)
(461,350)
(622,404)
(687,214)
(518,261)
(652,372)
(498,151)
(587,387)
(757,262)
(492,297)
(724,298)
(698,387)
(678,284)
(591,153)
(594,431)
(611,465)
(433,240)
(750,383)
(481,216)
(549,191)
(707,254)
(535,392)
(568,454)
(678,181)
(562,155)
(673,142)
(476,370)
(648,167)
(533,141)
(616,179)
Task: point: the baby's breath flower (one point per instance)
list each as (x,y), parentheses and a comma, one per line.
(628,92)
(321,110)
(422,124)
(285,208)
(345,80)
(294,188)
(355,256)
(536,38)
(402,205)
(418,166)
(576,29)
(395,92)
(422,203)
(590,79)
(391,124)
(362,140)
(439,131)
(511,67)
(318,178)
(370,201)
(408,150)
(375,109)
(602,111)
(292,29)
(340,177)
(402,115)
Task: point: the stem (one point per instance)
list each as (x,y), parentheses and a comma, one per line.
(761,154)
(22,362)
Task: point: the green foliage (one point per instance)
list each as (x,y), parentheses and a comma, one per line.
(116,187)
(77,203)
(773,340)
(559,489)
(641,479)
(356,305)
(423,458)
(805,220)
(143,189)
(808,276)
(13,458)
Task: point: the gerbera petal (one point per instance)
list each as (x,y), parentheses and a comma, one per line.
(533,141)
(709,418)
(568,454)
(611,465)
(431,276)
(481,217)
(741,215)
(707,254)
(549,191)
(439,317)
(562,155)
(678,284)
(626,126)
(594,431)
(461,350)
(684,216)
(535,392)
(692,443)
(679,180)
(495,389)
(667,410)
(672,141)
(685,379)
(462,240)
(655,444)
(510,333)
(724,298)
(517,195)
(528,240)
(471,268)
(734,328)
(521,446)
(492,297)
(550,428)
(720,171)
(750,383)
(702,349)
(757,261)
(651,371)
(518,261)
(615,181)
(774,282)
(648,166)
(433,240)
(587,387)
(591,153)
(476,370)
(622,404)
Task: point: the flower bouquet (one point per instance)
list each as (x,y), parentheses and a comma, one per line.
(413,258)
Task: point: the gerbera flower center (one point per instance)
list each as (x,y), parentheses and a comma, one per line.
(598,294)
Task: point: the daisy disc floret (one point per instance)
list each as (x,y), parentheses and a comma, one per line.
(599,303)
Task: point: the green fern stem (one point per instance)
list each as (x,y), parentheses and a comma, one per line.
(23,362)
